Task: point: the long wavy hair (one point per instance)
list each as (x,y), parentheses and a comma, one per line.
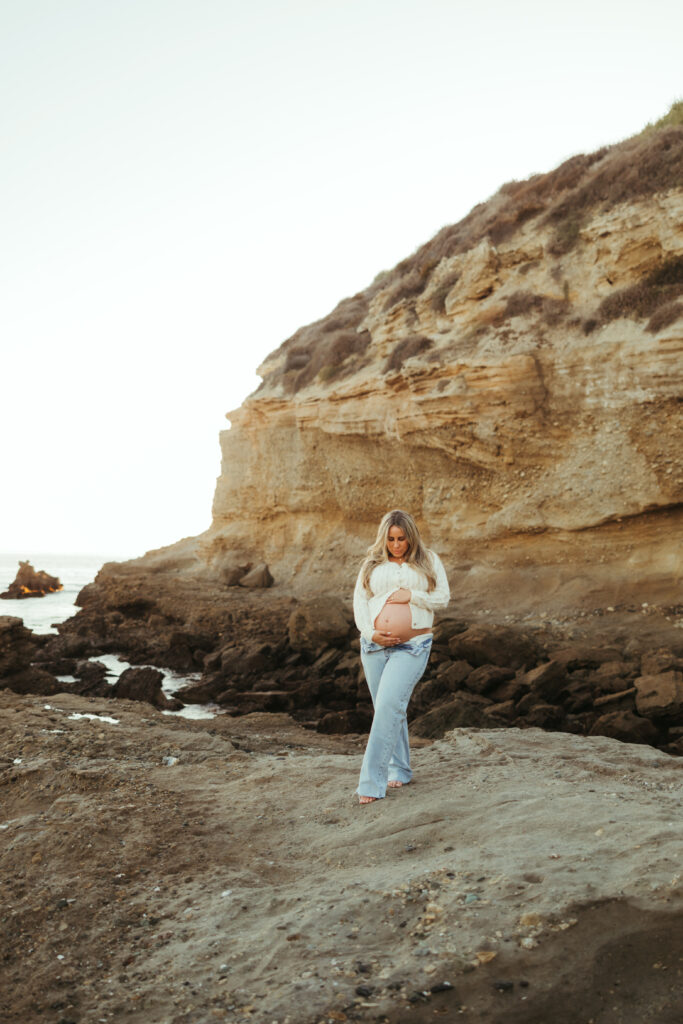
(416,555)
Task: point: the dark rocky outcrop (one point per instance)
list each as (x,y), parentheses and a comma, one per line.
(144,684)
(30,582)
(18,646)
(18,650)
(274,653)
(660,696)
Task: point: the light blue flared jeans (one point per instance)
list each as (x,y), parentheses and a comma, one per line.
(392,674)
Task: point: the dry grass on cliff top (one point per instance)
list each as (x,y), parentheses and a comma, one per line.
(563,199)
(161,871)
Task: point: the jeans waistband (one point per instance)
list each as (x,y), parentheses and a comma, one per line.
(416,645)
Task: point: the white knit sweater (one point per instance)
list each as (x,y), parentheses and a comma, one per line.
(389,577)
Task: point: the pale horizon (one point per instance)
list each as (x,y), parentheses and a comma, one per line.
(183,187)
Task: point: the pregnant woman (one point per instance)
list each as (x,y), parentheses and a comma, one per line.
(399,586)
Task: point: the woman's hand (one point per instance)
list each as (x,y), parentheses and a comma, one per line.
(401,596)
(385,638)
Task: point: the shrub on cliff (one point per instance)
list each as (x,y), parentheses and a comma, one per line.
(634,169)
(653,296)
(520,303)
(672,118)
(327,348)
(405,349)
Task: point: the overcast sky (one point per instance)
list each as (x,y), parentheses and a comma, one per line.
(183,183)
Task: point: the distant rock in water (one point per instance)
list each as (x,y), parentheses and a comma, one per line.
(31,583)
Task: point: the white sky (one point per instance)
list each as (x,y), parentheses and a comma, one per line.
(183,183)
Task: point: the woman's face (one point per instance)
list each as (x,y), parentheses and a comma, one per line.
(397,542)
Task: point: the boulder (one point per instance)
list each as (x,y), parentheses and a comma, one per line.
(353,720)
(440,686)
(92,679)
(453,673)
(654,662)
(90,672)
(144,684)
(326,661)
(583,656)
(70,646)
(58,666)
(264,700)
(526,703)
(514,689)
(230,575)
(317,624)
(625,726)
(611,670)
(488,677)
(504,709)
(547,681)
(660,696)
(17,645)
(613,676)
(225,697)
(34,680)
(212,662)
(348,665)
(314,692)
(445,628)
(544,716)
(258,577)
(579,695)
(187,650)
(612,700)
(494,645)
(202,692)
(248,659)
(465,710)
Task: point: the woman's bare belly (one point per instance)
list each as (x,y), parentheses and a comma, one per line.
(398,620)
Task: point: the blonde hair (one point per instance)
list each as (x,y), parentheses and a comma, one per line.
(416,555)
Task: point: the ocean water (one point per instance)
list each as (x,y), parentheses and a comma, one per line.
(73,571)
(41,613)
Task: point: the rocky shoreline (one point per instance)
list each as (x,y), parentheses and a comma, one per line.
(617,673)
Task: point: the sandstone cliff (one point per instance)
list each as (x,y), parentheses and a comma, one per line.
(515,384)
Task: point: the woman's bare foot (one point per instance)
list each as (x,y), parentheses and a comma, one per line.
(366,799)
(394,784)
